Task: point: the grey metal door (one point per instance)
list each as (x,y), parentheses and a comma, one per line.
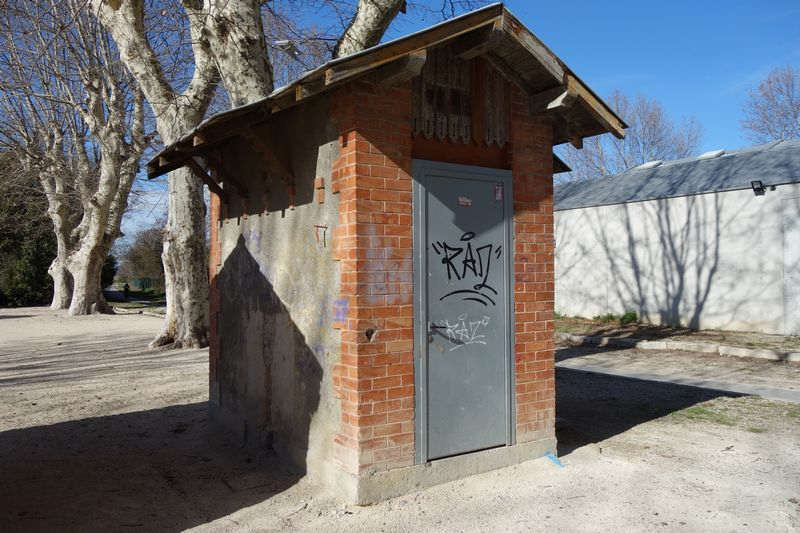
(462,242)
(791,266)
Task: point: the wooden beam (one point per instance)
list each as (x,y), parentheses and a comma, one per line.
(550,99)
(207,179)
(402,70)
(596,107)
(479,101)
(305,90)
(533,45)
(559,165)
(508,72)
(423,39)
(216,162)
(179,154)
(476,42)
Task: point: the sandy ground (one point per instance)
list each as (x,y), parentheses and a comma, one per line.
(97,433)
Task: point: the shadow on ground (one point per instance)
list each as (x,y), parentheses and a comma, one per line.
(14,316)
(160,469)
(564,353)
(592,407)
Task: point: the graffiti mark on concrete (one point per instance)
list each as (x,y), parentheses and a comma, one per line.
(340,308)
(463,332)
(253,236)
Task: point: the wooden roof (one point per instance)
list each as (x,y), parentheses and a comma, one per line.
(491,32)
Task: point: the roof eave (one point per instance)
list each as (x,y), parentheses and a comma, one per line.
(553,77)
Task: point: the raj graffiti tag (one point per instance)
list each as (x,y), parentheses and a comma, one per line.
(471,263)
(464,332)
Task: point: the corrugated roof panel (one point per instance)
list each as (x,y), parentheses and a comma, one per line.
(774,164)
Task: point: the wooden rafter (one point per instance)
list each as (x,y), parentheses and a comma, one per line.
(216,162)
(207,179)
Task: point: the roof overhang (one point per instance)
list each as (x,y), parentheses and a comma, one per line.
(491,32)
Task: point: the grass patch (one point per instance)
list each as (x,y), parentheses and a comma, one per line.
(756,430)
(703,414)
(793,412)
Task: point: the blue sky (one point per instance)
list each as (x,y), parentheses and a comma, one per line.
(697,58)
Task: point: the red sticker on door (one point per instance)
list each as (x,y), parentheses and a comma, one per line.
(464,201)
(498,192)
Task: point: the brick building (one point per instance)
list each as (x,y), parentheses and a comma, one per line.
(382,255)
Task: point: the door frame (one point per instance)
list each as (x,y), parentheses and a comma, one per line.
(420,171)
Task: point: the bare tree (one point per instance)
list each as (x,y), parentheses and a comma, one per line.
(226,39)
(772,110)
(80,123)
(651,135)
(368,25)
(176,111)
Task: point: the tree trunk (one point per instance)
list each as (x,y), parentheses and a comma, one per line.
(236,36)
(370,22)
(87,294)
(62,284)
(185,269)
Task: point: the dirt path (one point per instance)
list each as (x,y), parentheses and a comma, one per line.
(96,433)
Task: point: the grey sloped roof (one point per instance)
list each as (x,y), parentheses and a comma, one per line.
(773,164)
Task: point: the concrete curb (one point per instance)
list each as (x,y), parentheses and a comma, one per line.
(685,346)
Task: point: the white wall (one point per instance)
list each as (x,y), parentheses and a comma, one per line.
(709,261)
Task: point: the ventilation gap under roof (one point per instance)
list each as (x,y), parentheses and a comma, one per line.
(711,155)
(650,164)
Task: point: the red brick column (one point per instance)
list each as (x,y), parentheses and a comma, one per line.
(214,259)
(375,377)
(534,294)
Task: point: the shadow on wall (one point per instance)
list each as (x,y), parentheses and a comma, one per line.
(677,261)
(277,173)
(267,379)
(685,264)
(155,470)
(593,407)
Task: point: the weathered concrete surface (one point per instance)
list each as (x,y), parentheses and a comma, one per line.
(277,283)
(710,261)
(385,484)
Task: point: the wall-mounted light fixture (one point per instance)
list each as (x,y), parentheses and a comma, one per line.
(758,187)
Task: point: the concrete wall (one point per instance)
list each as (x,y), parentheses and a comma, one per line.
(709,261)
(275,288)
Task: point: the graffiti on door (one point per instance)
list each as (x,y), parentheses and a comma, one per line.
(471,264)
(463,332)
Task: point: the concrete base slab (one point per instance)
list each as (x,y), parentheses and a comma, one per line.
(370,488)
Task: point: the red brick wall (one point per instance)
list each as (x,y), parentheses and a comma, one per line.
(375,378)
(214,259)
(534,293)
(373,242)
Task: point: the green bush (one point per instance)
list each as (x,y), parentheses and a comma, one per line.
(27,242)
(628,318)
(608,317)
